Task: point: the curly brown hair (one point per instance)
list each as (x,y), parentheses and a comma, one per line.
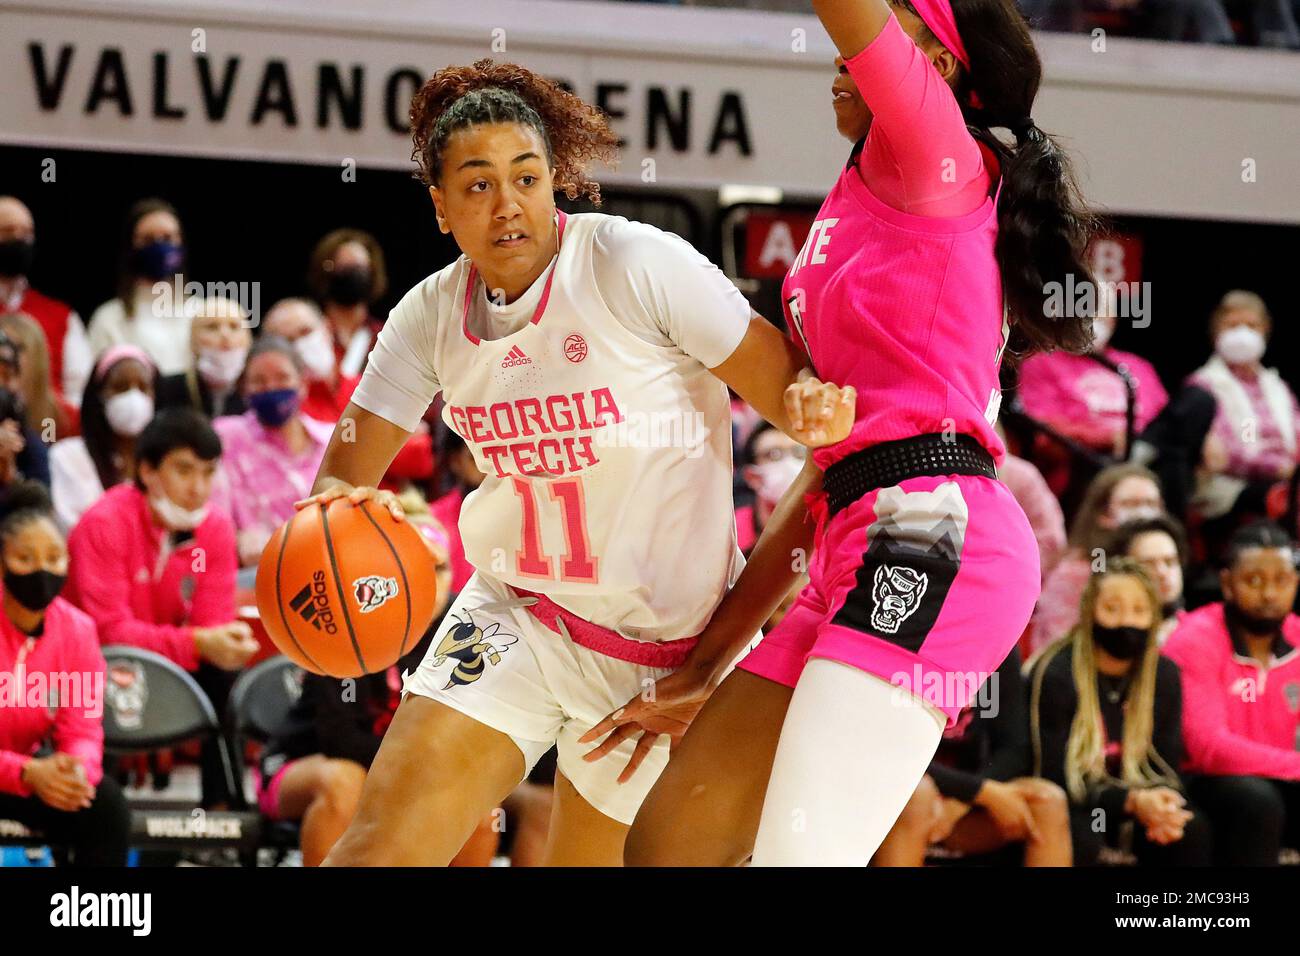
(573,132)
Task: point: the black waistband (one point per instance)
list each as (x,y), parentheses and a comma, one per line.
(891,462)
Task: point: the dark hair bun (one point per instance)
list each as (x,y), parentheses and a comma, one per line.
(28,495)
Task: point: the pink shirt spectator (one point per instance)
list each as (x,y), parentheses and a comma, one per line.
(1252,434)
(1087,400)
(447,510)
(67,646)
(1239,717)
(1058,604)
(1040,507)
(142,590)
(260,478)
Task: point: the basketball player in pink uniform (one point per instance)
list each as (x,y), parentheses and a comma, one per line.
(925,569)
(585,361)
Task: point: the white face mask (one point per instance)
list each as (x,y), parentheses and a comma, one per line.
(1101,331)
(316,350)
(1240,345)
(772,479)
(129,412)
(1140,513)
(174,517)
(220,367)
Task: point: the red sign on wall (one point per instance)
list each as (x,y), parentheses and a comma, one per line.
(772,242)
(1116,257)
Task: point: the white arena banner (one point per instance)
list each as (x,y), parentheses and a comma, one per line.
(702,97)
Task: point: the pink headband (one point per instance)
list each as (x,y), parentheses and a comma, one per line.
(115,353)
(937,15)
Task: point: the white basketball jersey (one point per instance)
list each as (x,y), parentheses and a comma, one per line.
(608,458)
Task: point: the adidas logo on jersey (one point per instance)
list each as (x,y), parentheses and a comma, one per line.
(515,357)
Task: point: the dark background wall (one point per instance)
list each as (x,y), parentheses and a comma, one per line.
(247,221)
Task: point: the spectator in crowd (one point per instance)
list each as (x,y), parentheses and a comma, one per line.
(1159,545)
(347,275)
(329,391)
(1105,714)
(299,321)
(465,476)
(70,356)
(1084,396)
(117,405)
(1038,503)
(771,461)
(1118,494)
(271,452)
(1231,432)
(1241,681)
(219,343)
(152,251)
(50,643)
(22,453)
(154,565)
(1062,15)
(47,415)
(976,796)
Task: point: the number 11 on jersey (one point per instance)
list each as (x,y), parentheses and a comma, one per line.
(577,564)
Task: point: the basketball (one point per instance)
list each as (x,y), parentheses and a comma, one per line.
(345,590)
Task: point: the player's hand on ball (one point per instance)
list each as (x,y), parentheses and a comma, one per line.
(356,495)
(821,413)
(665,707)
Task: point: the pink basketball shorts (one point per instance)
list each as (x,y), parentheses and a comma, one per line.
(927,584)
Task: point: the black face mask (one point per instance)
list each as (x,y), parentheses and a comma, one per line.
(34,590)
(1252,624)
(1170,608)
(16,257)
(1124,643)
(349,285)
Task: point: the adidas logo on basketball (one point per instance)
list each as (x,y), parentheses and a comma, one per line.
(515,357)
(312,604)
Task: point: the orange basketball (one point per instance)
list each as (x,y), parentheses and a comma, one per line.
(346,590)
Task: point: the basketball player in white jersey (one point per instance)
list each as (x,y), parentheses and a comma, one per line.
(583,360)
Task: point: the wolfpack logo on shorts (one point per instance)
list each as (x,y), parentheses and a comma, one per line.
(913,555)
(896,593)
(372,591)
(468,644)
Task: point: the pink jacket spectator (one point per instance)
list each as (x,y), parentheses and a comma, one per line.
(1084,398)
(141,595)
(447,510)
(1239,718)
(1040,507)
(68,651)
(1058,604)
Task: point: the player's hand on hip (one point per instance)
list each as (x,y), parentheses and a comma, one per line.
(666,706)
(357,494)
(821,413)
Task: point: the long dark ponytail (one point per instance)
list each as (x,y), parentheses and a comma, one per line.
(1044,226)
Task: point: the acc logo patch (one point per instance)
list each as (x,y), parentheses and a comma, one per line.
(373,592)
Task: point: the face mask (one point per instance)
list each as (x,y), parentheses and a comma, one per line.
(34,590)
(220,367)
(276,407)
(1100,334)
(775,477)
(1140,513)
(1252,624)
(317,352)
(16,257)
(1124,643)
(174,516)
(158,260)
(129,412)
(1240,345)
(349,285)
